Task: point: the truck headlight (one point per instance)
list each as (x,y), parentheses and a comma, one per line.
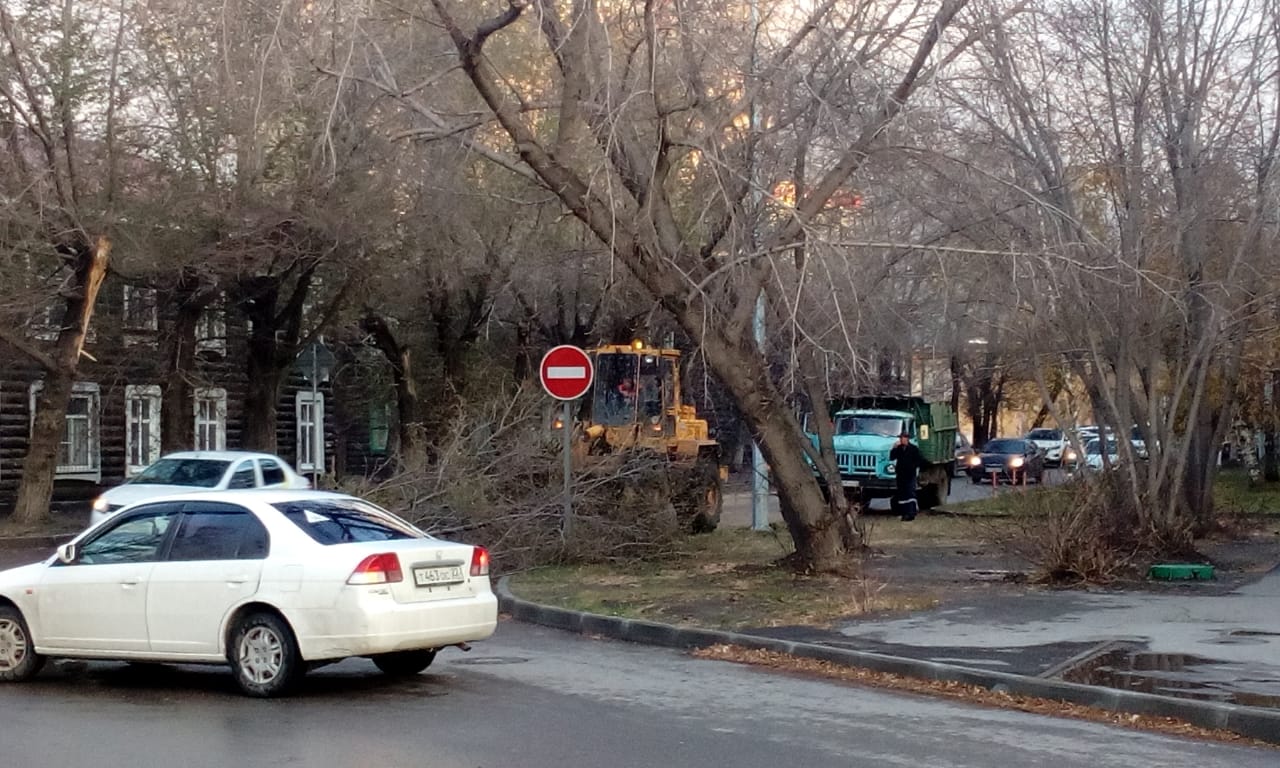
(1016,462)
(891,469)
(100,505)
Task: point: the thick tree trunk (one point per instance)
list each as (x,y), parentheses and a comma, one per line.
(813,526)
(40,464)
(177,422)
(39,467)
(411,450)
(262,398)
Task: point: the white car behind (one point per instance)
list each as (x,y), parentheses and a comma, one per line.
(1053,442)
(272,583)
(189,471)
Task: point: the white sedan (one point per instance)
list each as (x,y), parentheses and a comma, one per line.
(198,470)
(271,582)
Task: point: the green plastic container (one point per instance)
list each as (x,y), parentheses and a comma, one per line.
(1181,572)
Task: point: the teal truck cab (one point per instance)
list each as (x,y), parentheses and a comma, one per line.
(866,429)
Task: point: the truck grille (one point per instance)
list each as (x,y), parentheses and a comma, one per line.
(850,463)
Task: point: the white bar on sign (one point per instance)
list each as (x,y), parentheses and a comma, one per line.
(566,372)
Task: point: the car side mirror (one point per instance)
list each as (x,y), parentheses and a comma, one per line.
(67,553)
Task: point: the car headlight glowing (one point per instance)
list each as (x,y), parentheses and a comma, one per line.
(1016,461)
(100,505)
(1071,455)
(975,461)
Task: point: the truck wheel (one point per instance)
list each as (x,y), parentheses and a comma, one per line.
(698,496)
(936,489)
(707,517)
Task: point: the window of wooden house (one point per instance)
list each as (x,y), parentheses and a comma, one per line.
(211,328)
(79,450)
(211,419)
(140,312)
(310,420)
(142,427)
(379,428)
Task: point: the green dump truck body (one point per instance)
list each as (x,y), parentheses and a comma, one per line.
(871,424)
(935,424)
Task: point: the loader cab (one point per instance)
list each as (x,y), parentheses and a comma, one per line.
(634,386)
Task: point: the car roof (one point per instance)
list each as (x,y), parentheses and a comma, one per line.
(220,455)
(265,495)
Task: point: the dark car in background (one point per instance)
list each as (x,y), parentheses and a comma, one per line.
(1007,459)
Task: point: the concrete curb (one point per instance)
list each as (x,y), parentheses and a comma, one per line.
(1252,722)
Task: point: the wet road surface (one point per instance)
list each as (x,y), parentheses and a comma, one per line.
(538,698)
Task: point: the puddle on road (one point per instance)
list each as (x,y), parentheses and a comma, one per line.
(1180,675)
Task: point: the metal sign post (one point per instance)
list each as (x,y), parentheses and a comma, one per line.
(565,428)
(566,373)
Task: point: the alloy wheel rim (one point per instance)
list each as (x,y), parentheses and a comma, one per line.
(261,655)
(13,645)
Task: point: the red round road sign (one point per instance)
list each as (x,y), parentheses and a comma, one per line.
(566,372)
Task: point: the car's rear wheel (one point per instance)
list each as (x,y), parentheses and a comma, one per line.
(18,658)
(264,655)
(404,663)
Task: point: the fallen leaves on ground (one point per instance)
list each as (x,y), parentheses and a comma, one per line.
(970,693)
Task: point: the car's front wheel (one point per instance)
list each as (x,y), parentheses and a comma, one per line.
(264,655)
(18,658)
(404,663)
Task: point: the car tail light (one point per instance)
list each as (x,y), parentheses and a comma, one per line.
(378,569)
(479,561)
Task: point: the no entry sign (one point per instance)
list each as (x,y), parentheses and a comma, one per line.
(566,372)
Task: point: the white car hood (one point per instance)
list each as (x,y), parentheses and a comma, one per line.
(130,493)
(22,576)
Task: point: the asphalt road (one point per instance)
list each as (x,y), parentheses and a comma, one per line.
(538,698)
(737,499)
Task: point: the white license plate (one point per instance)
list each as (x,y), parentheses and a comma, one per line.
(434,577)
(850,483)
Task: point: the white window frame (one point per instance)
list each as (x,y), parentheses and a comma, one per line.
(310,432)
(80,389)
(151,394)
(218,397)
(148,299)
(211,328)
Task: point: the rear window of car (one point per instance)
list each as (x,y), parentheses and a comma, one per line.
(199,473)
(337,521)
(1005,446)
(1044,434)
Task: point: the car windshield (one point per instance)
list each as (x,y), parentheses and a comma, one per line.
(1044,434)
(335,521)
(1094,447)
(881,426)
(1004,446)
(198,473)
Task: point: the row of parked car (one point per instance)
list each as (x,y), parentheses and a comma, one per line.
(1026,458)
(231,558)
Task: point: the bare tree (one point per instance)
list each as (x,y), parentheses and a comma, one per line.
(1145,181)
(58,187)
(653,148)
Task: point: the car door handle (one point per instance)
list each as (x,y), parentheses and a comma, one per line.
(237,581)
(127,583)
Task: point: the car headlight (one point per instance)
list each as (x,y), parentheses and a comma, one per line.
(1016,462)
(1071,455)
(100,505)
(891,469)
(975,461)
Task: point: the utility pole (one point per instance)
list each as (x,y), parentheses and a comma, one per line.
(759,470)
